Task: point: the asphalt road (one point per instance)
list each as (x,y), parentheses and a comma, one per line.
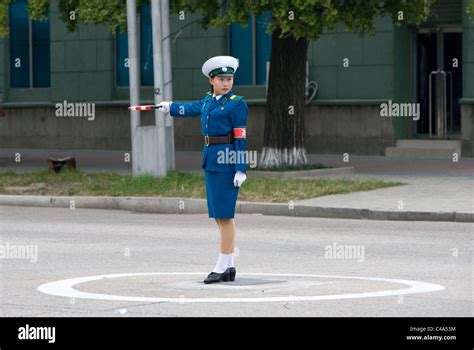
(285,266)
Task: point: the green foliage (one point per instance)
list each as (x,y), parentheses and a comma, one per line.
(4,5)
(308,18)
(300,18)
(38,9)
(112,13)
(69,15)
(109,12)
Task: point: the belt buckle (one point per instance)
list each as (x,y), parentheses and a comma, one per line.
(206,140)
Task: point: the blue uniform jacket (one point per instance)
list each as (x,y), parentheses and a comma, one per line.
(219,118)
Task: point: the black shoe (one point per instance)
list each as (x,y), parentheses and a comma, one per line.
(232,273)
(215,277)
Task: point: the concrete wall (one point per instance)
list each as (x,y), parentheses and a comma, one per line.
(370,71)
(355,129)
(81,62)
(446,12)
(40,128)
(467,130)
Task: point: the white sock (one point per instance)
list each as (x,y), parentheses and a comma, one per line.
(222,263)
(230,263)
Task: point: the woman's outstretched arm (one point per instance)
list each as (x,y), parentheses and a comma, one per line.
(186,109)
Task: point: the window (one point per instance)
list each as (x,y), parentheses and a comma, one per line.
(29,48)
(252,46)
(122,58)
(146,51)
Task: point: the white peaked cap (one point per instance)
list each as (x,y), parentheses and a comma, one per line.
(220,65)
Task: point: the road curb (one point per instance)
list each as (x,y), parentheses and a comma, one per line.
(199,206)
(297,174)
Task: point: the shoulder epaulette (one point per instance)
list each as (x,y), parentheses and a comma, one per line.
(236,97)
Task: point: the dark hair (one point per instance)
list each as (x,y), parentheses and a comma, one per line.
(212,88)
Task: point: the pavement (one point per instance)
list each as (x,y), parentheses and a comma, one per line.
(440,194)
(136,258)
(95,263)
(435,190)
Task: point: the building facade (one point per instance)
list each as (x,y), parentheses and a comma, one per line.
(42,64)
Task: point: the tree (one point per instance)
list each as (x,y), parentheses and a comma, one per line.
(293,24)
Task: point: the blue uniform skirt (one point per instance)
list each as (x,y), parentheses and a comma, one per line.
(221,194)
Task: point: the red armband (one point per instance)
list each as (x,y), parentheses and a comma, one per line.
(239,133)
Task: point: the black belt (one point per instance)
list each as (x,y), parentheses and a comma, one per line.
(211,140)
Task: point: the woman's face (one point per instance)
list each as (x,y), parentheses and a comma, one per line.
(221,84)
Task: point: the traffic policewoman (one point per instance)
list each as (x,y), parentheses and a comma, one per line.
(223,121)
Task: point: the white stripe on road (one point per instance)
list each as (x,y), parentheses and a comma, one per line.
(65,288)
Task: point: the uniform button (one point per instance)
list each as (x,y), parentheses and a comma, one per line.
(206,125)
(207,117)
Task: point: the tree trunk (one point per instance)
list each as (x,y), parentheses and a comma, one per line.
(284,134)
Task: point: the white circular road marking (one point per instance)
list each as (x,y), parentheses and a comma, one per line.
(65,288)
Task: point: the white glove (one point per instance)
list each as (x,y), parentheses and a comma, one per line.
(239,178)
(164,106)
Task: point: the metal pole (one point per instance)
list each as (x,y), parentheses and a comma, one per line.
(440,95)
(430,101)
(445,120)
(441,105)
(450,101)
(134,77)
(168,80)
(158,84)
